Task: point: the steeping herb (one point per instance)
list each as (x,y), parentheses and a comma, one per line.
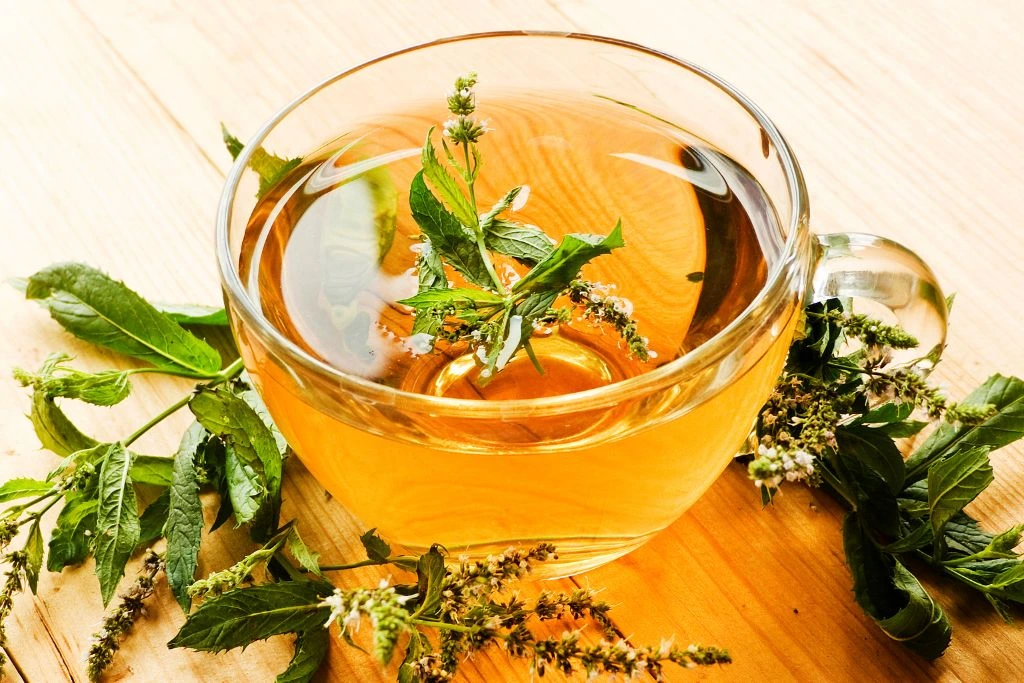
(495,318)
(833,420)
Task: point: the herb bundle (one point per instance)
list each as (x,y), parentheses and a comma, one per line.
(835,419)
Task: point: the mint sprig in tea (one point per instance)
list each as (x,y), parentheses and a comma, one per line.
(499,246)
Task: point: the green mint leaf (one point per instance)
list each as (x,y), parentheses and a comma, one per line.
(525,243)
(311,649)
(152,521)
(307,559)
(810,354)
(230,417)
(920,537)
(69,542)
(252,398)
(563,264)
(23,487)
(452,240)
(34,551)
(1004,543)
(105,388)
(964,536)
(903,430)
(1002,428)
(233,144)
(184,516)
(55,431)
(456,297)
(873,449)
(152,469)
(887,413)
(430,579)
(103,311)
(419,645)
(892,596)
(377,549)
(246,491)
(953,483)
(446,186)
(117,521)
(1009,583)
(430,269)
(196,315)
(500,207)
(245,615)
(269,167)
(872,465)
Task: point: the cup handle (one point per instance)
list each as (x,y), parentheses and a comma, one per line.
(885,280)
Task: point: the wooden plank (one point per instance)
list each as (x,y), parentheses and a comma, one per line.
(114,128)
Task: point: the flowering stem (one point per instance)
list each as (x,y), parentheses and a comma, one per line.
(442,625)
(39,513)
(352,565)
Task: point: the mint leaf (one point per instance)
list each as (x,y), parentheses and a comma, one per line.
(953,483)
(446,186)
(454,241)
(430,581)
(184,517)
(377,549)
(1006,394)
(194,314)
(55,431)
(563,264)
(269,167)
(253,461)
(245,489)
(892,596)
(69,542)
(23,487)
(525,243)
(455,297)
(419,645)
(430,269)
(152,469)
(500,207)
(103,311)
(105,388)
(872,448)
(34,551)
(152,521)
(245,615)
(307,559)
(311,649)
(117,521)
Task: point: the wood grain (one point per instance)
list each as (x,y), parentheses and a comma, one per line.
(905,118)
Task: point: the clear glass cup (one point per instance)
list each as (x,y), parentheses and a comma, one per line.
(597,472)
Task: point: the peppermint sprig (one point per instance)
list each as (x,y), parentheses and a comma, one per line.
(835,420)
(493,317)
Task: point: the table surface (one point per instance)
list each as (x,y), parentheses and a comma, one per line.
(905,117)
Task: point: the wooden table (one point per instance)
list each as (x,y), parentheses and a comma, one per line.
(905,116)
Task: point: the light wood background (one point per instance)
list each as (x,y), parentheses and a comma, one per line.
(906,118)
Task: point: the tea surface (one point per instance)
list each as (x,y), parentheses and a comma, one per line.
(332,246)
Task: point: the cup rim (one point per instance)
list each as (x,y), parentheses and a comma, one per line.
(600,397)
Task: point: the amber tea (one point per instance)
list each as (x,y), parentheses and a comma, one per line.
(332,248)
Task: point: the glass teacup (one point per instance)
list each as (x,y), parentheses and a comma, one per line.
(600,471)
